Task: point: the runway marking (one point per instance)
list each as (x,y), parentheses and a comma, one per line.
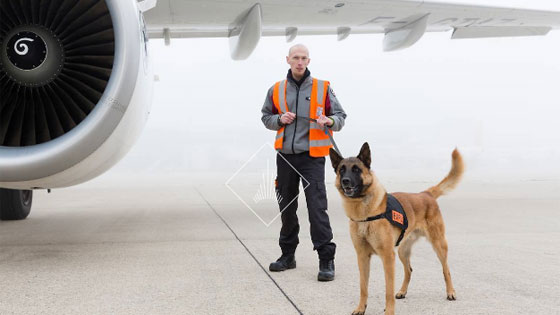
(249,251)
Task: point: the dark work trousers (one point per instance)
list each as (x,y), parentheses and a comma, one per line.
(313,172)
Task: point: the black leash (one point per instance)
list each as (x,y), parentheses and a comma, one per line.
(326,131)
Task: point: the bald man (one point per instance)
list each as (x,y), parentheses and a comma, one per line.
(302,146)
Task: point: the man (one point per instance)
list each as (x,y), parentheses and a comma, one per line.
(302,146)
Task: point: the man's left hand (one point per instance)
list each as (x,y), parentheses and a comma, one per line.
(324,120)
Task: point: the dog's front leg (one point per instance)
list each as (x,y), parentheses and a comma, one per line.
(388,258)
(364,266)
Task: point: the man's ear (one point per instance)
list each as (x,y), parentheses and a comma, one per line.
(288,59)
(335,158)
(365,155)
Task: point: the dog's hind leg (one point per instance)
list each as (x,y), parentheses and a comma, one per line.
(405,250)
(439,243)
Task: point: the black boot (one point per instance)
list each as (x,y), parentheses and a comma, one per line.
(326,270)
(286,261)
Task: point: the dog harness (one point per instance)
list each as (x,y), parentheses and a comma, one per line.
(394,214)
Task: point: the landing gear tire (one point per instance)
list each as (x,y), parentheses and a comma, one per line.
(15,204)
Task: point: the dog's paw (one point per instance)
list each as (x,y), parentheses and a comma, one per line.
(400,295)
(452,296)
(359,311)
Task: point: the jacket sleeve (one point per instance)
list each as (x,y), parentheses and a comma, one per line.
(269,113)
(336,111)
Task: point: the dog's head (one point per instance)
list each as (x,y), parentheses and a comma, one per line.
(353,175)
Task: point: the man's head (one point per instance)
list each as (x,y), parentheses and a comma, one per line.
(298,59)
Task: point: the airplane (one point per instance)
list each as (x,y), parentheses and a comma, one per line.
(76,79)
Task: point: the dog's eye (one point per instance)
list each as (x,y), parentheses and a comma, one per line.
(355,169)
(342,170)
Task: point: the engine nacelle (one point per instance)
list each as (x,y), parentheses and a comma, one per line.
(75,89)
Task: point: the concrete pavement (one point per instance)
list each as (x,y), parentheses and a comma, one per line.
(178,245)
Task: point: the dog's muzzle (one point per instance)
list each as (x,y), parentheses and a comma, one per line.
(347,188)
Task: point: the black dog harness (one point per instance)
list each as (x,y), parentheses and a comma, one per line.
(394,214)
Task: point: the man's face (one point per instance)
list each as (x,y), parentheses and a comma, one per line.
(298,61)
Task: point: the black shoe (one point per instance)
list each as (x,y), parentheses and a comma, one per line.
(286,261)
(326,270)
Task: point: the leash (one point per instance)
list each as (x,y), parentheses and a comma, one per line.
(326,131)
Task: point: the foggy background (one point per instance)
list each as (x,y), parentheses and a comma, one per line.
(497,100)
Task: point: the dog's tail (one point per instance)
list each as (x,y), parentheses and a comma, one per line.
(452,179)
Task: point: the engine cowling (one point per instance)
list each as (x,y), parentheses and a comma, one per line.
(75,89)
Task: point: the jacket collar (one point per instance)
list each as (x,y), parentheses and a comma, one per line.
(306,77)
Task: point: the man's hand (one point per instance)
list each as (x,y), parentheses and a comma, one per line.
(287,118)
(324,120)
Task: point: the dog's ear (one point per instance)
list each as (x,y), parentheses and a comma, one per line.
(365,155)
(335,158)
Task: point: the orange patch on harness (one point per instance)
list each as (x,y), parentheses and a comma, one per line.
(397,217)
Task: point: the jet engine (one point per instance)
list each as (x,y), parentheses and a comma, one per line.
(75,91)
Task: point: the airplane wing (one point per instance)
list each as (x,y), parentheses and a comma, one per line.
(403,22)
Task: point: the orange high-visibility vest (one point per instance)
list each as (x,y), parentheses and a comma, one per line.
(319,142)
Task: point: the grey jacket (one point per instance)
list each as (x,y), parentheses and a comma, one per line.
(296,134)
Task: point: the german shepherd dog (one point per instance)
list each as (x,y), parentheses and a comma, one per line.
(363,196)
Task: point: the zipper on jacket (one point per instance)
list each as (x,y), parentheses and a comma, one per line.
(295,126)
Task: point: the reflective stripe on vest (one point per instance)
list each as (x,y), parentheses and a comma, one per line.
(319,142)
(279,100)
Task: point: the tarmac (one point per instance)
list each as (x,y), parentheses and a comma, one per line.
(177,244)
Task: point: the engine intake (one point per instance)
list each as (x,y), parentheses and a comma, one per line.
(75,89)
(56,58)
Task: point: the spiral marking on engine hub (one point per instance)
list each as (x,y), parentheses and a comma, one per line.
(25,47)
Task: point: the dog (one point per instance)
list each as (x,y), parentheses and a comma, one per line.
(364,197)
